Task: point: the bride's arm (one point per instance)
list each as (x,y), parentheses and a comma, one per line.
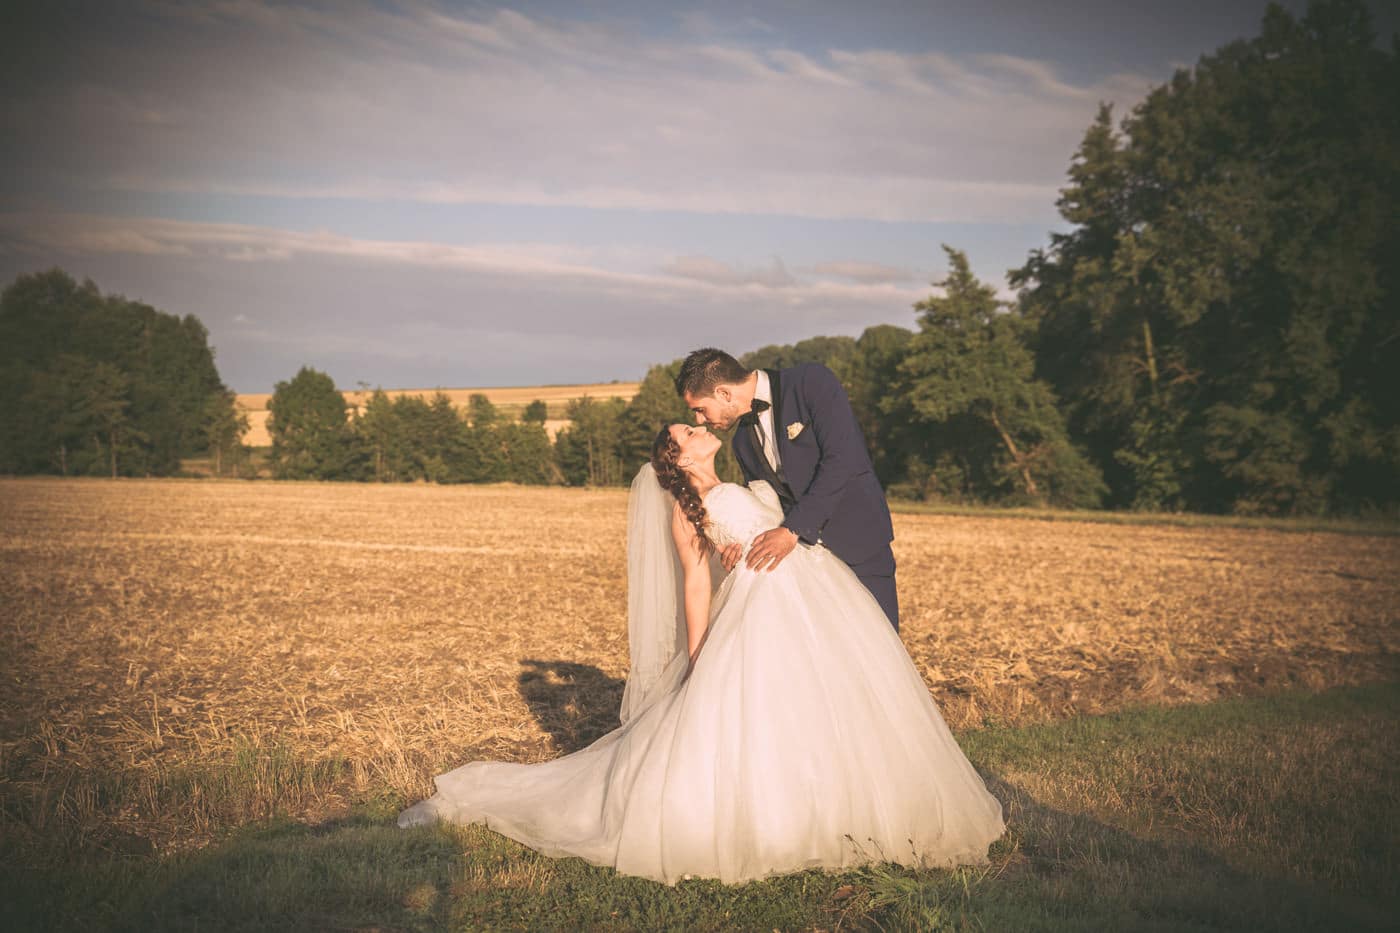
(697,580)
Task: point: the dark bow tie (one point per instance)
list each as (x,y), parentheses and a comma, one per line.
(750,418)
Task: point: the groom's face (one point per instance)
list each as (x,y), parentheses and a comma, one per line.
(719,411)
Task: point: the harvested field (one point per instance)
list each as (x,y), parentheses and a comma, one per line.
(156,624)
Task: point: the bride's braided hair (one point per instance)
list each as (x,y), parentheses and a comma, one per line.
(664,453)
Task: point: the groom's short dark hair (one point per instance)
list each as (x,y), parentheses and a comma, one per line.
(706,368)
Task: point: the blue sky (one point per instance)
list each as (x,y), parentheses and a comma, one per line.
(413,194)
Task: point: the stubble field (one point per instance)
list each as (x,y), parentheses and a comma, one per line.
(155,628)
(409,628)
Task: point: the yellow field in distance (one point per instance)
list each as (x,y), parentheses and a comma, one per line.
(511,400)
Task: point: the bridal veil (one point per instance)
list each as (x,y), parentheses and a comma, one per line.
(656,633)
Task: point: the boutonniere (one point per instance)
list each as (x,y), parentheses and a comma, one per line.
(795,429)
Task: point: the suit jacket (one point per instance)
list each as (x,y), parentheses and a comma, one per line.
(827,484)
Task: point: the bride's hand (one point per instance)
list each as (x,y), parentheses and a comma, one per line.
(729,557)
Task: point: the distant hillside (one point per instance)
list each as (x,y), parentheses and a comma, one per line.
(511,400)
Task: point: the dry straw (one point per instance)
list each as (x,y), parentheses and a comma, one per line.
(154,627)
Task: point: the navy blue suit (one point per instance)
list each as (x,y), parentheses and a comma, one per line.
(827,484)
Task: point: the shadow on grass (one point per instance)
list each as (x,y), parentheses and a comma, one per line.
(1054,869)
(355,872)
(576,704)
(1059,870)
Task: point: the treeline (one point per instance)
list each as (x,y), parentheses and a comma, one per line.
(96,385)
(316,436)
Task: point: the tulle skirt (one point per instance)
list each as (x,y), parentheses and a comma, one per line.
(803,737)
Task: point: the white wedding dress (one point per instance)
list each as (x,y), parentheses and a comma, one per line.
(804,737)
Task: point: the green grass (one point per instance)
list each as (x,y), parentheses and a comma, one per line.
(1380,526)
(1266,813)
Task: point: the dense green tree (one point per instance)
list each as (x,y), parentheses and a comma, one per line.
(311,438)
(1221,321)
(82,408)
(587,451)
(165,382)
(527,452)
(884,419)
(443,441)
(224,427)
(105,399)
(415,455)
(537,412)
(408,438)
(480,410)
(968,380)
(51,425)
(837,354)
(377,429)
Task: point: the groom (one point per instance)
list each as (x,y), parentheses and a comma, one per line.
(797,431)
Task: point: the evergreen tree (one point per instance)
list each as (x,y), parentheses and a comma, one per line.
(837,354)
(53,412)
(587,452)
(224,427)
(968,377)
(529,457)
(480,411)
(82,408)
(446,441)
(311,438)
(884,420)
(105,399)
(377,429)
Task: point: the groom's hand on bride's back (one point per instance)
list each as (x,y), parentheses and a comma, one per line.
(770,548)
(729,557)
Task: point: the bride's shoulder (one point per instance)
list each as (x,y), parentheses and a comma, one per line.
(715,490)
(758,487)
(764,492)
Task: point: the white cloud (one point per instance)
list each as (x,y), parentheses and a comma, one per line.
(424,102)
(690,278)
(715,272)
(867,272)
(423,313)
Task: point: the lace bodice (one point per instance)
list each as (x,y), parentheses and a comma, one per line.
(741,513)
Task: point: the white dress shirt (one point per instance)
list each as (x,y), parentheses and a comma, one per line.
(764,391)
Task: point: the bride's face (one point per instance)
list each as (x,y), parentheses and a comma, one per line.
(698,446)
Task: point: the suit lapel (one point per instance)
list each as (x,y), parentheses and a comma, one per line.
(775,386)
(742,443)
(764,470)
(780,486)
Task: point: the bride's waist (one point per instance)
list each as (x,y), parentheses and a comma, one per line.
(799,553)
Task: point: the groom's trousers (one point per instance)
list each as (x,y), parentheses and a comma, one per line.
(877,573)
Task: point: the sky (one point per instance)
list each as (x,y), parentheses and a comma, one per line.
(408,193)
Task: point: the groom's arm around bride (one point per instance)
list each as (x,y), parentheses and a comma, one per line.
(796,430)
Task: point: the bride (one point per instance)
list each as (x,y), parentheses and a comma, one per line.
(773,725)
